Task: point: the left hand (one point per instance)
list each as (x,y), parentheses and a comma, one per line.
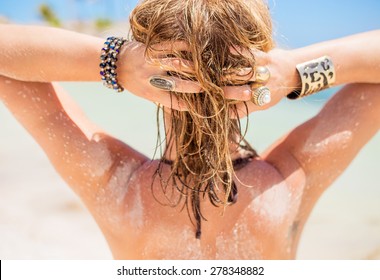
(135,70)
(283,80)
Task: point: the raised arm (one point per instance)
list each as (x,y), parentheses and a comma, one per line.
(325,145)
(45,54)
(82,154)
(31,58)
(356,59)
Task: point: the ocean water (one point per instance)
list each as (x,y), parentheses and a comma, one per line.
(40,218)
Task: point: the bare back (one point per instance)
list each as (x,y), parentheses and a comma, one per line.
(261,225)
(276,192)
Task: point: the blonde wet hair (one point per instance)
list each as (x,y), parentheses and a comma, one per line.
(202,136)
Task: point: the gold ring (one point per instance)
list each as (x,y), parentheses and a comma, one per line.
(262,75)
(261,96)
(162,82)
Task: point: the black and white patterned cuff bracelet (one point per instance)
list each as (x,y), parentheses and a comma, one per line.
(315,75)
(108,59)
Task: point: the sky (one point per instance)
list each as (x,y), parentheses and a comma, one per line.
(296,22)
(26,11)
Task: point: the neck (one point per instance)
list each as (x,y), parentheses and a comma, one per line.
(170,152)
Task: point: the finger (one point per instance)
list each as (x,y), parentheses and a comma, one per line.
(186,86)
(169,47)
(242,74)
(161,88)
(241,93)
(259,56)
(237,50)
(174,64)
(172,83)
(260,75)
(171,101)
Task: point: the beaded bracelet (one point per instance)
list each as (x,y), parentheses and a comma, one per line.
(108,59)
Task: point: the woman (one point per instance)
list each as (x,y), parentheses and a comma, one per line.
(210,61)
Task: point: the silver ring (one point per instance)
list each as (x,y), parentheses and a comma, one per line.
(162,82)
(261,96)
(262,75)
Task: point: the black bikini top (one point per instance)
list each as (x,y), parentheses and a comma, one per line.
(237,163)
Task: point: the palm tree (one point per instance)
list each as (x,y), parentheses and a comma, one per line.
(102,24)
(48,15)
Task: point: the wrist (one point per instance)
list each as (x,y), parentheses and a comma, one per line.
(293,75)
(108,65)
(124,65)
(311,76)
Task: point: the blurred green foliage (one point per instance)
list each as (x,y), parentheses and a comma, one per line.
(48,15)
(102,23)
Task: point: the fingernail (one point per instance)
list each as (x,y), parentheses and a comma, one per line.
(247,91)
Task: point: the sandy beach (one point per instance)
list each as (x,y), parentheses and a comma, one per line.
(41,218)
